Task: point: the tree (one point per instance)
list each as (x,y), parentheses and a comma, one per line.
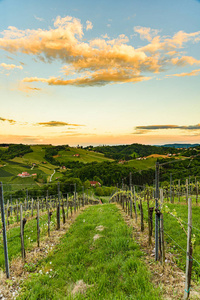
(87,184)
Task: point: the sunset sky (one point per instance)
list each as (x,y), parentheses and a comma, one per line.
(99,72)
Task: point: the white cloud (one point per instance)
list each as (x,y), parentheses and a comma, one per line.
(89,25)
(38,19)
(10,66)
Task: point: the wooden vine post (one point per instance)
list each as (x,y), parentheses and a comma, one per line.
(74,197)
(38,224)
(63,211)
(162,244)
(141,215)
(71,207)
(189,259)
(131,203)
(4,231)
(179,182)
(32,207)
(7,213)
(67,205)
(49,221)
(58,208)
(22,224)
(17,209)
(196,187)
(186,186)
(134,195)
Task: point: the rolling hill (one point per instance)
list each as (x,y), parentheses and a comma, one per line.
(35,162)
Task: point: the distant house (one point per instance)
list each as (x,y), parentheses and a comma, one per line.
(34,164)
(63,168)
(121,162)
(34,174)
(24,174)
(94,183)
(44,162)
(76,155)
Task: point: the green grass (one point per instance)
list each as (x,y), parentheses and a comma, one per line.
(85,156)
(104,199)
(142,164)
(183,199)
(112,266)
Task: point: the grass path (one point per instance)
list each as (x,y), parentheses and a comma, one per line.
(96,259)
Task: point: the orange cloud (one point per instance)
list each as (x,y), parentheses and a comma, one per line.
(57,123)
(100,78)
(28,89)
(100,61)
(192,73)
(185,60)
(12,122)
(148,128)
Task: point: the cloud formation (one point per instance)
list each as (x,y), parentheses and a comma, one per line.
(10,66)
(56,124)
(192,73)
(12,122)
(89,25)
(102,60)
(39,19)
(146,32)
(148,128)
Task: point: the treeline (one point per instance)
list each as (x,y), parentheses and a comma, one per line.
(110,173)
(180,169)
(128,152)
(52,151)
(14,150)
(64,185)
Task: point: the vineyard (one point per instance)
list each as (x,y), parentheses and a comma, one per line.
(174,233)
(173,239)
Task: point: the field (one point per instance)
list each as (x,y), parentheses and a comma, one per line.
(85,156)
(142,164)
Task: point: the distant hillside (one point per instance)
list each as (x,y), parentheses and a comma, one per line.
(181,145)
(41,160)
(128,152)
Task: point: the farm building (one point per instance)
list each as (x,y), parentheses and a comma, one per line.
(24,174)
(93,183)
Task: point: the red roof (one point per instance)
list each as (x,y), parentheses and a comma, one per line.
(93,183)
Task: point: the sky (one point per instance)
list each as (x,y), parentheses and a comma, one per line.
(99,72)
